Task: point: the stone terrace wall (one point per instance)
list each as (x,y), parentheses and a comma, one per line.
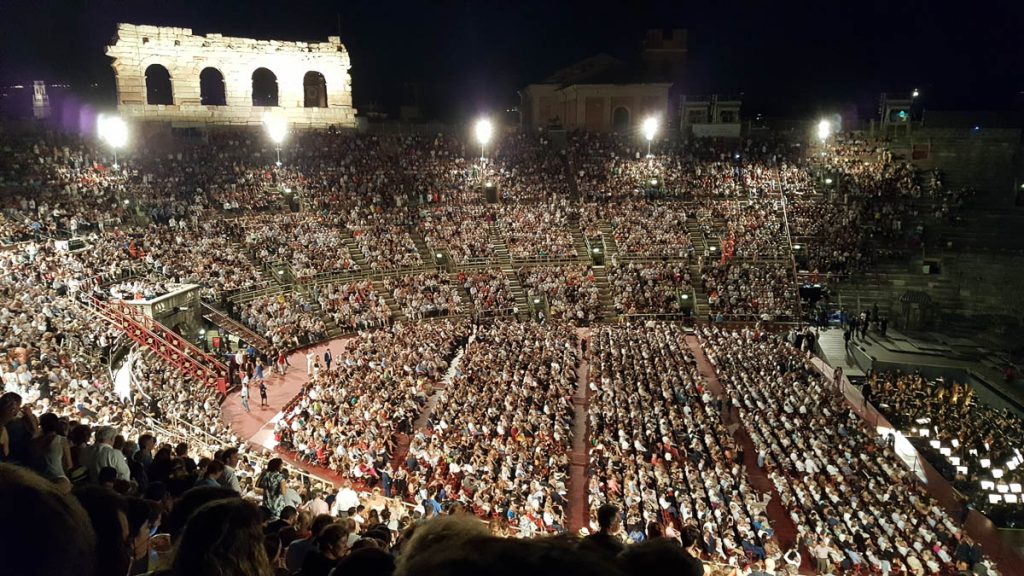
(186,55)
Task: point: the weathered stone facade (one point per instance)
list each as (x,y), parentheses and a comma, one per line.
(185,56)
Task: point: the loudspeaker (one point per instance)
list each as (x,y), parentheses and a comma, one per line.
(491,193)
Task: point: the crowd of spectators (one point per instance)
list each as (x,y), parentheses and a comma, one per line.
(285,320)
(498,438)
(570,292)
(348,416)
(537,231)
(459,230)
(650,288)
(853,501)
(309,244)
(750,290)
(425,295)
(489,291)
(355,305)
(660,451)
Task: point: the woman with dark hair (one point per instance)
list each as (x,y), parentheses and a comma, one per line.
(51,452)
(108,513)
(273,484)
(143,520)
(332,543)
(223,538)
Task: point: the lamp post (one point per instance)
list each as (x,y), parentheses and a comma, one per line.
(484,130)
(113,131)
(277,129)
(650,128)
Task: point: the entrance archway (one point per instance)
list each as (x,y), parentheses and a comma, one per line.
(314,87)
(620,119)
(211,88)
(264,88)
(158,85)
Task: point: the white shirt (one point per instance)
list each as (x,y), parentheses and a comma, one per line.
(104,455)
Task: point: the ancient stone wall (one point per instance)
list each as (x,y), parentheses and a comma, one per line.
(185,55)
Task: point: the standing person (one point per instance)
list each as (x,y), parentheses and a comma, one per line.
(310,359)
(328,357)
(605,543)
(282,362)
(273,484)
(245,392)
(263,394)
(820,551)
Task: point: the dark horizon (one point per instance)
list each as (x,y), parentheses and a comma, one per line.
(474,56)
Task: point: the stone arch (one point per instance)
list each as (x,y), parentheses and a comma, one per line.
(159,88)
(314,89)
(211,87)
(264,88)
(620,119)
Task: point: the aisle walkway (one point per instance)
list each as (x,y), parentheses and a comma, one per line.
(402,449)
(577,509)
(785,530)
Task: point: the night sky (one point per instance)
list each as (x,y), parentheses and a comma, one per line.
(791,58)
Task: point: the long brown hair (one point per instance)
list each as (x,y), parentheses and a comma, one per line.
(223,538)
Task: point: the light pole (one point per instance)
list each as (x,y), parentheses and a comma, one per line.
(113,131)
(650,128)
(484,130)
(277,129)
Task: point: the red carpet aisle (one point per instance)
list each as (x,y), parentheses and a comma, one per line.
(785,530)
(257,426)
(577,510)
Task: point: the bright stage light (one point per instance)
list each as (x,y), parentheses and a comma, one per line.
(277,128)
(112,130)
(484,130)
(824,130)
(650,128)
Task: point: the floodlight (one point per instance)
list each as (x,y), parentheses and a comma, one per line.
(113,131)
(484,130)
(828,181)
(650,128)
(277,128)
(536,300)
(824,130)
(915,93)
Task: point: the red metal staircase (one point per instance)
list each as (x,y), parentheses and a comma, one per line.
(165,343)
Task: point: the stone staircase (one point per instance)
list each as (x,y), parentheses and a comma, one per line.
(353,248)
(605,289)
(421,246)
(498,245)
(701,309)
(397,314)
(522,304)
(580,243)
(611,248)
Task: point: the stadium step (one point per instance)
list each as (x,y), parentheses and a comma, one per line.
(396,311)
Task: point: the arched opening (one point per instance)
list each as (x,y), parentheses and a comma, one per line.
(211,88)
(264,88)
(620,119)
(158,85)
(314,86)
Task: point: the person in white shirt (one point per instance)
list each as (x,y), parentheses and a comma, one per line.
(316,504)
(345,500)
(103,455)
